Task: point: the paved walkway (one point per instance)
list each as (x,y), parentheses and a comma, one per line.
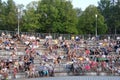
(77,78)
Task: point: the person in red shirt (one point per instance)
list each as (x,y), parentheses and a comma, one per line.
(87,51)
(15,71)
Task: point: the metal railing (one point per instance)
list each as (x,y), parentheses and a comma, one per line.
(64,36)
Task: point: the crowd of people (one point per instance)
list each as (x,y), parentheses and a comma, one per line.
(79,55)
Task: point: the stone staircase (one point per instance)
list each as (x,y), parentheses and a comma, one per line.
(60,69)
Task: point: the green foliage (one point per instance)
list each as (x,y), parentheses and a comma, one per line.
(57,16)
(30,18)
(11,17)
(87,21)
(78,11)
(110,9)
(2,16)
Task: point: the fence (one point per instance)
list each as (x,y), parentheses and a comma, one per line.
(65,36)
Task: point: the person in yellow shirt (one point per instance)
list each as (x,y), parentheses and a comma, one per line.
(56,41)
(72,38)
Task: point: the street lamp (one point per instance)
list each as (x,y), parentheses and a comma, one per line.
(18,22)
(96,25)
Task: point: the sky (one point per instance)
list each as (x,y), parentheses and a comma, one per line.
(84,3)
(76,3)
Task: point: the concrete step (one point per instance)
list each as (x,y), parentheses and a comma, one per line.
(18,76)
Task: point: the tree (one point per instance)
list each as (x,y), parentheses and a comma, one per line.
(118,17)
(87,21)
(30,18)
(11,15)
(78,11)
(2,15)
(57,16)
(110,10)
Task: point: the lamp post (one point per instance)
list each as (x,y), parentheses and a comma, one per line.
(18,22)
(96,25)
